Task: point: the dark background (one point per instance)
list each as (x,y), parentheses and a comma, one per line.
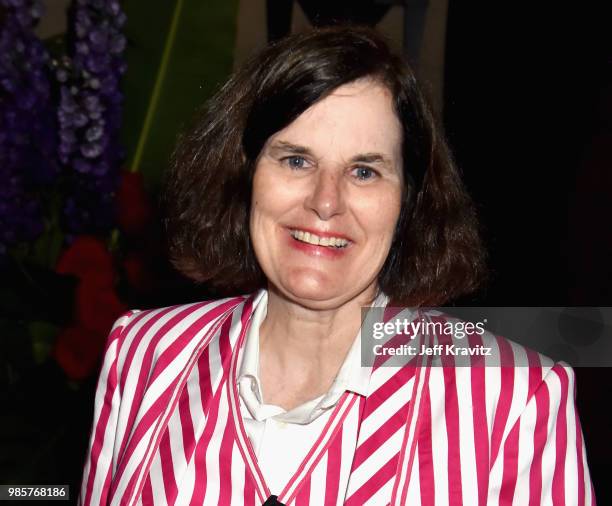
(528,111)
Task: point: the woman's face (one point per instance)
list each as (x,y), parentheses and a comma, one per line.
(326,197)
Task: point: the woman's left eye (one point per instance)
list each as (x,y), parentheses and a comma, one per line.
(364,173)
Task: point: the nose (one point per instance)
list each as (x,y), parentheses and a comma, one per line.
(326,197)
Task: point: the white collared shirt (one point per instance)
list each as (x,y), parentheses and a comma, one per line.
(281,439)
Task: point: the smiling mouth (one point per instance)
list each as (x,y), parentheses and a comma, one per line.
(310,238)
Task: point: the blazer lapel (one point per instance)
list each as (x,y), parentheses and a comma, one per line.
(388,430)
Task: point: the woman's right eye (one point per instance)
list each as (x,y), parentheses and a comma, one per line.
(295,162)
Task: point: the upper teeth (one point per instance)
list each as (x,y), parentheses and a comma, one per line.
(310,238)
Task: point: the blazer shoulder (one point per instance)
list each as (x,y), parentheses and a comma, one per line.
(516,374)
(148,333)
(510,381)
(480,346)
(509,367)
(530,368)
(510,353)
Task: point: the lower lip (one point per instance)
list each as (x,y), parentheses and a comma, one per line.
(317,251)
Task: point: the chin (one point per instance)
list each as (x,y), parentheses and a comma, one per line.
(313,287)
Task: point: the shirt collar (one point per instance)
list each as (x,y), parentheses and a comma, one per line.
(249,366)
(351,376)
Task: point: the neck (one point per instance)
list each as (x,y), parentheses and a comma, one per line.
(293,335)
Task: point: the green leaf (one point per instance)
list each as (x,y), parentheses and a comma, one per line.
(178,54)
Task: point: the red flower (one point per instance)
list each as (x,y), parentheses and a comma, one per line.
(77,351)
(97,306)
(97,309)
(134,211)
(137,272)
(87,258)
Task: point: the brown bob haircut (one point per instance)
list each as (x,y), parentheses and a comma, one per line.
(436,254)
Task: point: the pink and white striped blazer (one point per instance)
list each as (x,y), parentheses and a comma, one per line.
(167,426)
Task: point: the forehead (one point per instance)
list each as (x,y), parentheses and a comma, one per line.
(355,117)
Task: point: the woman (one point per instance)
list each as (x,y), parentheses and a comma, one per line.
(316,182)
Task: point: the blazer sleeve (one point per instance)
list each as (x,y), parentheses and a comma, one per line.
(544,456)
(98,464)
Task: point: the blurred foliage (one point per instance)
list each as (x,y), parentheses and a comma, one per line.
(54,315)
(200,60)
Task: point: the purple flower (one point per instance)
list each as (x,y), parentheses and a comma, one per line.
(121,19)
(94,133)
(91,103)
(97,62)
(80,119)
(68,136)
(91,150)
(61,75)
(82,48)
(28,136)
(79,133)
(114,8)
(82,165)
(99,39)
(117,44)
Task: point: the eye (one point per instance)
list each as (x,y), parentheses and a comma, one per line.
(364,173)
(295,162)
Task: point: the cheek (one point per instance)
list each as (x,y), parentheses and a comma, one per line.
(382,213)
(269,203)
(256,211)
(273,194)
(261,196)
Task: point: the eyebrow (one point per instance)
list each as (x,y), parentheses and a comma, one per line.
(288,147)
